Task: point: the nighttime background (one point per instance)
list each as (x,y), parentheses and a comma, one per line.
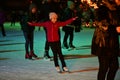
(16,4)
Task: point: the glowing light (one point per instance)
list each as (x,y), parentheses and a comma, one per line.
(117,2)
(90,3)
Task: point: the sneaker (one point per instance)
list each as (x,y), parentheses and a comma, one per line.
(58,69)
(47,59)
(65,69)
(32,54)
(46,55)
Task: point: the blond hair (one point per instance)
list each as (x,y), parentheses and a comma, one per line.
(52,15)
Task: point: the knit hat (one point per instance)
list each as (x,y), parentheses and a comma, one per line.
(69,3)
(53,15)
(102,13)
(32,6)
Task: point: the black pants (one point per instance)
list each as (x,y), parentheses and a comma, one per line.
(69,34)
(56,49)
(28,41)
(108,67)
(3,30)
(46,42)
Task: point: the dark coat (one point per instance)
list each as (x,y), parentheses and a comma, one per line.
(68,13)
(24,22)
(105,43)
(2,17)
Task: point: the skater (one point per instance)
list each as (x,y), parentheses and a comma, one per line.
(2,20)
(13,18)
(53,38)
(69,29)
(47,7)
(29,31)
(105,43)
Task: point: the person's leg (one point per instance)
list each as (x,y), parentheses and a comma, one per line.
(46,53)
(31,38)
(59,52)
(53,48)
(71,39)
(26,44)
(114,65)
(3,30)
(65,44)
(56,48)
(103,67)
(13,22)
(61,57)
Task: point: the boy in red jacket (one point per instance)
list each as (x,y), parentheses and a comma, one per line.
(53,37)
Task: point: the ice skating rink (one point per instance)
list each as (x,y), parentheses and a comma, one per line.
(14,66)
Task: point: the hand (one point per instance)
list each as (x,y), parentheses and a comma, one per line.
(29,23)
(75,18)
(118,29)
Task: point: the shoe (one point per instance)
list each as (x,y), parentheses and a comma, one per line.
(58,69)
(46,55)
(47,59)
(32,54)
(65,46)
(27,56)
(65,69)
(71,46)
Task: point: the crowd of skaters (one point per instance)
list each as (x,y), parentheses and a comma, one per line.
(64,10)
(86,17)
(47,6)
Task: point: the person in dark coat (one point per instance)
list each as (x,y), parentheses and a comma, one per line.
(78,21)
(2,20)
(105,44)
(69,29)
(13,18)
(29,31)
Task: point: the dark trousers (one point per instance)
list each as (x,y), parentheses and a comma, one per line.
(13,22)
(46,42)
(28,41)
(70,35)
(108,67)
(46,46)
(56,49)
(3,30)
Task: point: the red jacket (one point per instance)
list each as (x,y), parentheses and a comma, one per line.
(52,28)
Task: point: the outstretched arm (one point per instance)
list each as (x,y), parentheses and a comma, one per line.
(37,24)
(67,21)
(118,29)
